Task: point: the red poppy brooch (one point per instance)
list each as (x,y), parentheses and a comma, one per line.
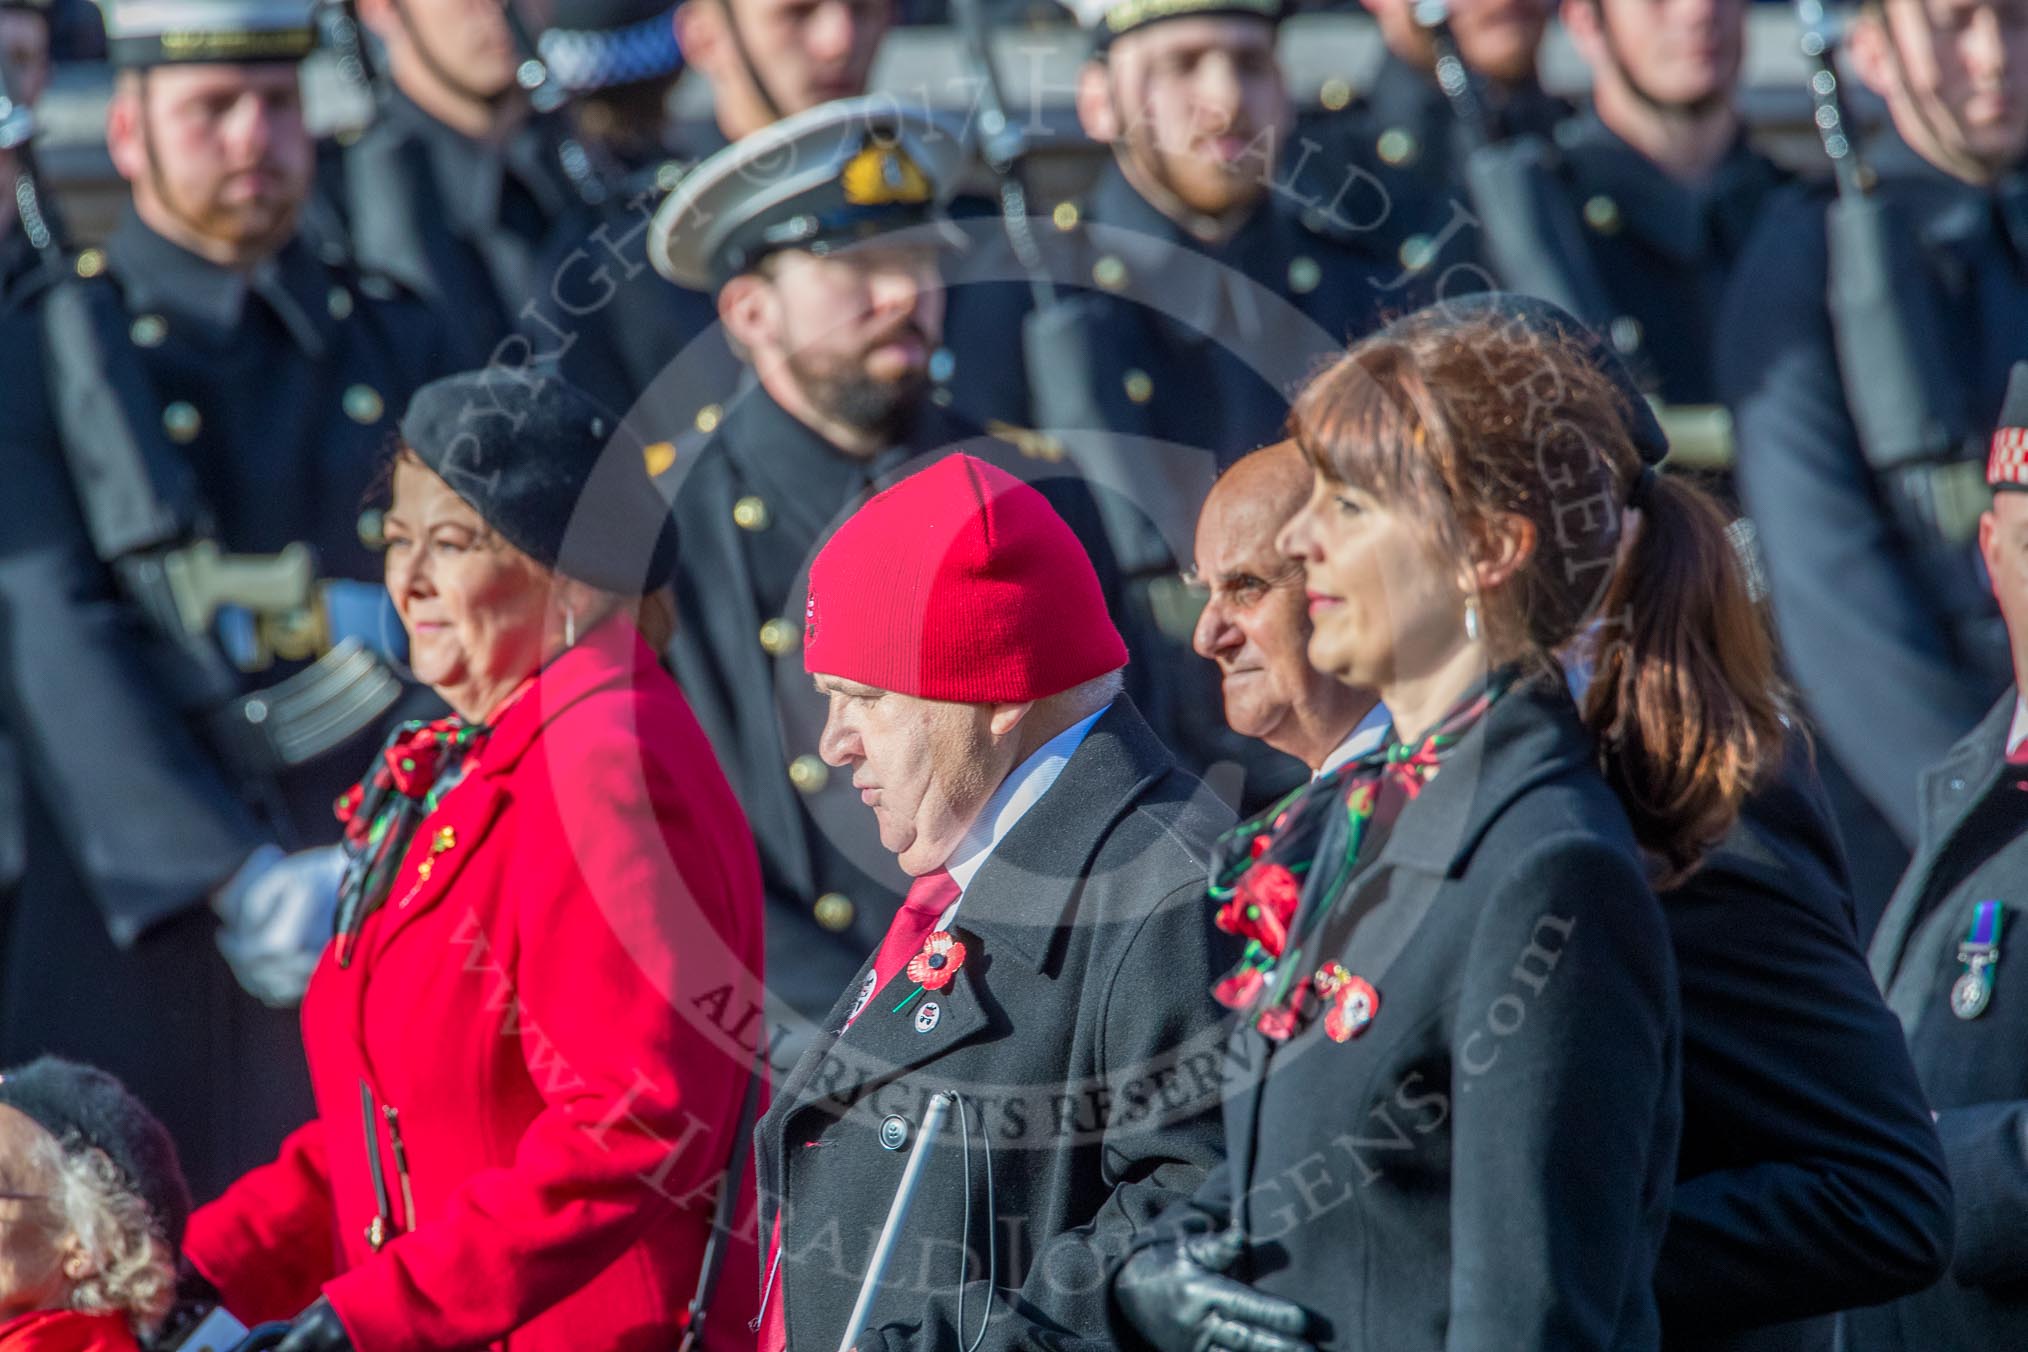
(1350,1002)
(941,959)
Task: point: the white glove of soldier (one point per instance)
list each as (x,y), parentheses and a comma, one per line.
(275,916)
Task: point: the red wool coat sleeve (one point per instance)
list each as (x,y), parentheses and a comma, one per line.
(266,1244)
(605,1008)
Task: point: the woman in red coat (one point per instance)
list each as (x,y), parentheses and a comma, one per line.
(530,1038)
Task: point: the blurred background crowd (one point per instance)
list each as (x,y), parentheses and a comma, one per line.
(1098,245)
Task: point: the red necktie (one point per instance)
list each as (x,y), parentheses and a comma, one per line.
(928,898)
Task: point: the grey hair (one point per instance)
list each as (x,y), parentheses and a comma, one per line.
(133,1268)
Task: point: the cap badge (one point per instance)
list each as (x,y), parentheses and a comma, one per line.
(882,174)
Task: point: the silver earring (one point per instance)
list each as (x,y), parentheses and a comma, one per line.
(1471,620)
(570,626)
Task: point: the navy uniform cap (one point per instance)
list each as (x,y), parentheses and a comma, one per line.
(2007,464)
(1553,321)
(835,175)
(143,33)
(1108,20)
(552,470)
(600,44)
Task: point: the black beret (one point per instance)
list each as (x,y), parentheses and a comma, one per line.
(81,1107)
(1553,321)
(550,469)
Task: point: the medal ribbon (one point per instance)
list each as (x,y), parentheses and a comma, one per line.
(1980,953)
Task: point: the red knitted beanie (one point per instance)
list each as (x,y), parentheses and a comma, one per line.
(959,583)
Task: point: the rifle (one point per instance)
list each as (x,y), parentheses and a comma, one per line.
(146,523)
(1532,237)
(1003,148)
(1909,406)
(338,27)
(1904,398)
(547,94)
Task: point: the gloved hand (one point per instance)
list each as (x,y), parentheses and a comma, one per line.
(1177,1295)
(275,916)
(316,1330)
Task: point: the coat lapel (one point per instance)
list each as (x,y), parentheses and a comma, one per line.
(1975,764)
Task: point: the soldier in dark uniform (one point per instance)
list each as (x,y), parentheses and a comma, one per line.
(1194,286)
(1863,473)
(1659,170)
(839,340)
(459,186)
(1949,955)
(24,48)
(157,609)
(613,324)
(1402,133)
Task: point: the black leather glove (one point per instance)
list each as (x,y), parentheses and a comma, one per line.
(316,1330)
(1177,1295)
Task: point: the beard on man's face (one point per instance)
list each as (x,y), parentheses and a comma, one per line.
(843,388)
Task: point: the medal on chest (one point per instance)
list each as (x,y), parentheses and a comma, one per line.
(1980,953)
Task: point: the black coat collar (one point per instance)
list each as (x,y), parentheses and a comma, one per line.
(159,276)
(1946,210)
(1683,221)
(1950,790)
(1529,737)
(1030,883)
(1016,907)
(1206,300)
(472,173)
(1401,95)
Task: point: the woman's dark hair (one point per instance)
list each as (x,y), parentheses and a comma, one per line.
(1461,421)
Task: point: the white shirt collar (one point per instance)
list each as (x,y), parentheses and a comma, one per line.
(1367,736)
(1019,791)
(2018,730)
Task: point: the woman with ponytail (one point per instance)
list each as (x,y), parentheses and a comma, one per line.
(1453,1105)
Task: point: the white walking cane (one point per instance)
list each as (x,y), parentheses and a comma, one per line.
(897,1215)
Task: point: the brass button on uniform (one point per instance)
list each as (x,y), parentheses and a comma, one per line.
(834,911)
(1415,252)
(1397,146)
(658,456)
(1110,272)
(1140,388)
(709,417)
(1304,275)
(363,404)
(1626,334)
(809,774)
(750,513)
(148,330)
(1335,93)
(182,422)
(91,263)
(1602,214)
(339,302)
(1065,217)
(778,638)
